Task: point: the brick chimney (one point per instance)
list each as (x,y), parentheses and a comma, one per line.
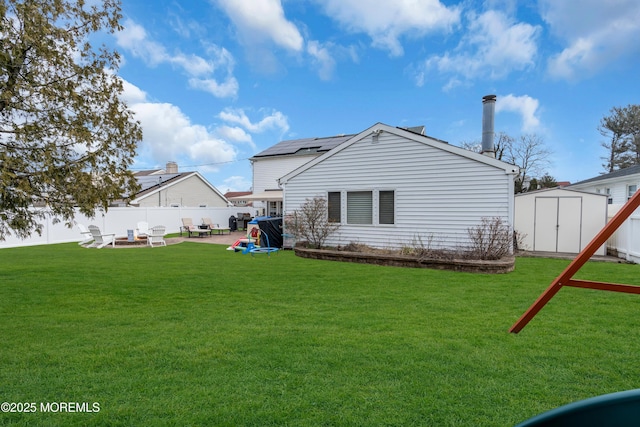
(172,167)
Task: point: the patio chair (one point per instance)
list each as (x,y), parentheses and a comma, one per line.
(142,228)
(215,227)
(101,240)
(87,237)
(190,228)
(156,236)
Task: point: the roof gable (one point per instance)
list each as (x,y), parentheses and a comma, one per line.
(152,184)
(407,134)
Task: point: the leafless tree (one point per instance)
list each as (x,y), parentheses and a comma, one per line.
(528,152)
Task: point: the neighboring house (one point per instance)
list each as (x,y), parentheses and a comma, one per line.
(277,161)
(241,203)
(559,220)
(619,186)
(171,188)
(394,187)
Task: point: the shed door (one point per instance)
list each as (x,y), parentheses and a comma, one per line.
(569,224)
(557,224)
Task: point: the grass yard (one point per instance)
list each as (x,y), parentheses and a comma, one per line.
(192,334)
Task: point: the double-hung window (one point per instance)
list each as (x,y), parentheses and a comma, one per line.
(360,207)
(334,206)
(631,189)
(386,207)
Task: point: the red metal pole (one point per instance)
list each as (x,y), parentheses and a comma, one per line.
(600,239)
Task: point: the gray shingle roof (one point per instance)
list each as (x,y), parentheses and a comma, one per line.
(631,170)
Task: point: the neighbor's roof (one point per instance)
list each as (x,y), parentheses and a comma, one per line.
(631,170)
(229,194)
(150,183)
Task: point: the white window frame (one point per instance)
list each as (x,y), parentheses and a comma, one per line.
(375,207)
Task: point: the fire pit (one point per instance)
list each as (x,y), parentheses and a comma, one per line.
(124,241)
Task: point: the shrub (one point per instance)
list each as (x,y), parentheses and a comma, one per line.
(490,240)
(310,223)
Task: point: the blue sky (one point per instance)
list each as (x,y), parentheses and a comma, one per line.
(214,82)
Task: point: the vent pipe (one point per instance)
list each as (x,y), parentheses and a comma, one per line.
(488,113)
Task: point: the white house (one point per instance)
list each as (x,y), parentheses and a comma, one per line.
(390,187)
(559,220)
(278,160)
(619,186)
(170,188)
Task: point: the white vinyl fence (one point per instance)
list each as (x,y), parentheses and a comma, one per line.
(119,220)
(625,242)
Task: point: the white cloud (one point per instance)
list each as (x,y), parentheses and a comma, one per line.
(257,20)
(235,133)
(168,134)
(525,106)
(387,21)
(596,33)
(275,121)
(201,71)
(322,59)
(226,89)
(235,183)
(494,46)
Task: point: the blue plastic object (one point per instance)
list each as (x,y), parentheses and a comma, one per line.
(258,218)
(264,250)
(621,409)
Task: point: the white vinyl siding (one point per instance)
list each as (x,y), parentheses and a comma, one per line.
(267,171)
(436,193)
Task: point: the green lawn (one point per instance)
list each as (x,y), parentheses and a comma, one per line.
(192,334)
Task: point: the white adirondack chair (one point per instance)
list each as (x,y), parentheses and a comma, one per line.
(142,228)
(101,240)
(87,237)
(156,236)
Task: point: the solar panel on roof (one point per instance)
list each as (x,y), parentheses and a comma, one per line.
(296,145)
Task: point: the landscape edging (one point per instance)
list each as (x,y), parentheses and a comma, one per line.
(504,265)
